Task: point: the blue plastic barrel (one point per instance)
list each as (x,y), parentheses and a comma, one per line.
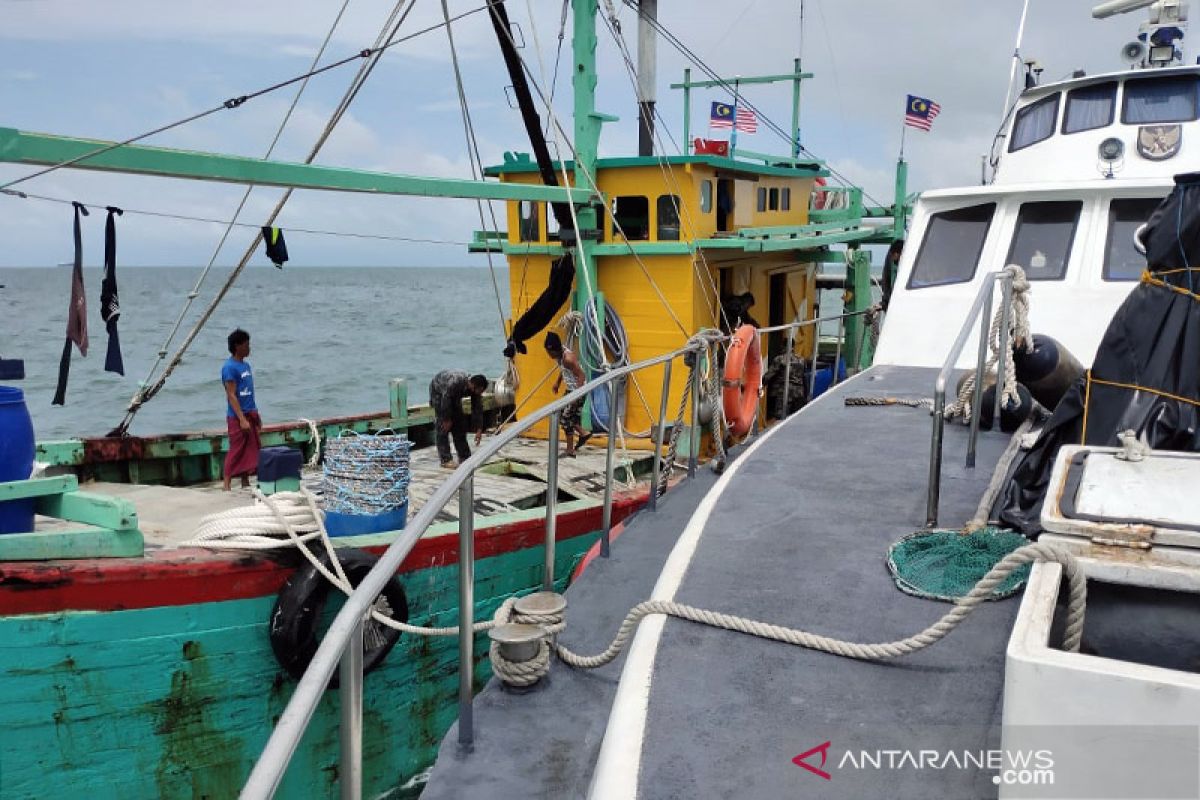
(16,458)
(600,410)
(358,524)
(824,378)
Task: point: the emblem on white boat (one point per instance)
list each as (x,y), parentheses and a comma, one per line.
(1159,142)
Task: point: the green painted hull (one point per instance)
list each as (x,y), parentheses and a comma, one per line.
(178,701)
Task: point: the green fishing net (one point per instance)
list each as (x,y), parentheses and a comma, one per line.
(946,565)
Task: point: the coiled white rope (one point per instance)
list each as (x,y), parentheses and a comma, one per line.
(1019,335)
(526,673)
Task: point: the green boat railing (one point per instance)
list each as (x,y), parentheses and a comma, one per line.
(341,646)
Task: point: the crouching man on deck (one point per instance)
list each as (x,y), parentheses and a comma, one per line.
(241,414)
(446,393)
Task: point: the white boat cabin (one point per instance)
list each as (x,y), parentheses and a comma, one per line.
(1085,163)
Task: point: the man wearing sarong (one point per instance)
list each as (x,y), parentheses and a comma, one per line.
(571,377)
(241,414)
(446,393)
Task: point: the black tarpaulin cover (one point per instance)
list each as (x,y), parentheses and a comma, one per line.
(538,315)
(1146,375)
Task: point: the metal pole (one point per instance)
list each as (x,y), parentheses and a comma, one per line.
(693,439)
(935,453)
(837,354)
(350,682)
(985,325)
(687,111)
(1002,363)
(787,374)
(552,501)
(658,435)
(608,467)
(466,609)
(812,377)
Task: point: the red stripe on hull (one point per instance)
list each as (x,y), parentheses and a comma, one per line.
(176,577)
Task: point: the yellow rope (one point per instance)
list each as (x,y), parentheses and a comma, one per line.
(1087,397)
(1148,277)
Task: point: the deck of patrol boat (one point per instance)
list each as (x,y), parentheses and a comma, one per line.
(795,533)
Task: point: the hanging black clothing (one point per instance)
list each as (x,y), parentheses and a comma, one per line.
(76,313)
(110,303)
(276,246)
(539,315)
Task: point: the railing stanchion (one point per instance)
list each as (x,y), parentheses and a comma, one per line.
(693,438)
(787,373)
(613,422)
(350,683)
(985,329)
(1002,364)
(837,354)
(551,503)
(466,609)
(656,470)
(812,367)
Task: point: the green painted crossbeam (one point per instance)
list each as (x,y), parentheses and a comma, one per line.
(21,147)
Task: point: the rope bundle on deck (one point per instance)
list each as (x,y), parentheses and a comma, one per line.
(366,474)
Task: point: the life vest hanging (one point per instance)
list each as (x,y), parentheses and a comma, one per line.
(742,380)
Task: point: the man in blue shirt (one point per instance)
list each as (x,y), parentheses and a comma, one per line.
(241,414)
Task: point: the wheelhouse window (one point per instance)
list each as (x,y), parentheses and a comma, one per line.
(762,199)
(1090,107)
(1042,242)
(1157,100)
(631,216)
(705,197)
(528,227)
(773,199)
(952,246)
(1122,261)
(668,218)
(1035,123)
(785,200)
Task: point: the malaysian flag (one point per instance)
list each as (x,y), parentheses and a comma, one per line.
(722,116)
(919,113)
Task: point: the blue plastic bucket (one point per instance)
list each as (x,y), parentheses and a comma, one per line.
(824,378)
(16,458)
(337,524)
(600,410)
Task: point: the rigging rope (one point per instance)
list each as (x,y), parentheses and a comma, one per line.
(236,102)
(146,393)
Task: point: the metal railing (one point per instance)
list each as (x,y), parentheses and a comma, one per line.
(347,626)
(981,309)
(342,642)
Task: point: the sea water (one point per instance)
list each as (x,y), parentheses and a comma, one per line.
(324,341)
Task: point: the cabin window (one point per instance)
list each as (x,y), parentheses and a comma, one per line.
(705,197)
(1090,107)
(1035,123)
(1041,244)
(529,221)
(1122,261)
(952,246)
(668,218)
(762,199)
(785,200)
(1157,100)
(773,199)
(631,216)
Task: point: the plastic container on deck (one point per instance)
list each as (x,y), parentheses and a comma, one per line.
(16,458)
(824,377)
(337,524)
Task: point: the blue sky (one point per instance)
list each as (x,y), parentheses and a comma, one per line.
(114,70)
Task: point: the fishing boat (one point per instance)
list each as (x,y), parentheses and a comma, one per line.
(141,661)
(725,649)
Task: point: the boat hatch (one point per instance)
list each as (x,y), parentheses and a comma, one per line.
(1106,496)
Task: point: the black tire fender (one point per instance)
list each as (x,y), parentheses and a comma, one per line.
(301,601)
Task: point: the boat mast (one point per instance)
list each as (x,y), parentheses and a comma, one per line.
(647,74)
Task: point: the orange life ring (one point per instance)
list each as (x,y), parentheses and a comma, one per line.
(742,380)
